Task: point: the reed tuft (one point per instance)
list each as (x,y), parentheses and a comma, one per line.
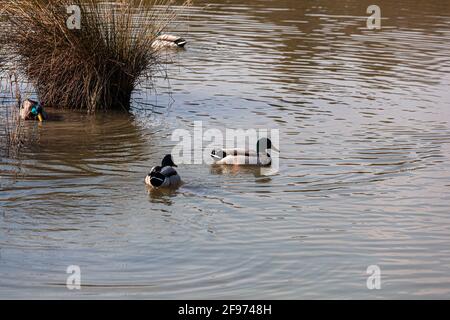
(93,68)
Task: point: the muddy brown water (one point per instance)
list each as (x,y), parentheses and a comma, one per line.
(364,176)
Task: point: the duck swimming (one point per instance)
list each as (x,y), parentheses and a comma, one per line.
(164,176)
(168,41)
(32,110)
(246,157)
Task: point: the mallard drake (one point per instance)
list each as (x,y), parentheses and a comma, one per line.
(164,176)
(246,157)
(32,110)
(168,41)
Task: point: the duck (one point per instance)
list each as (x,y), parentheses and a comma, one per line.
(164,176)
(32,110)
(261,157)
(168,41)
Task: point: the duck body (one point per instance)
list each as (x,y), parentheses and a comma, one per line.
(32,110)
(260,158)
(168,41)
(164,176)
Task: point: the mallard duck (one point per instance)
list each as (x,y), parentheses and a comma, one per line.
(32,110)
(245,157)
(168,41)
(164,176)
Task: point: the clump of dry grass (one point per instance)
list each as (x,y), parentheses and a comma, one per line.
(94,68)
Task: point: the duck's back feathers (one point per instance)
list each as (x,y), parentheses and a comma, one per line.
(166,177)
(218,155)
(240,157)
(32,110)
(168,37)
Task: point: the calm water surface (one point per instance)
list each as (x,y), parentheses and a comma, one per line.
(364,176)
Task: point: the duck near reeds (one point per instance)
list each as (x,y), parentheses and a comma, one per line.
(260,158)
(164,176)
(169,41)
(32,110)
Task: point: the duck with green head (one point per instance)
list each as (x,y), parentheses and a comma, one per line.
(164,176)
(262,156)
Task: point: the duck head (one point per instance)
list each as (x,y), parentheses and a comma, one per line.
(38,112)
(168,161)
(265,144)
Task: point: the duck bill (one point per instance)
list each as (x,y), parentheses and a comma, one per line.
(40,118)
(275,149)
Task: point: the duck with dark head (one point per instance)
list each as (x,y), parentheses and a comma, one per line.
(164,176)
